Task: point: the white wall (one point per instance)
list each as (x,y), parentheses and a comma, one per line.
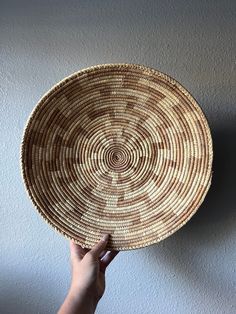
(192,271)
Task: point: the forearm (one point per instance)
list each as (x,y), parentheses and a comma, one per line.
(78,303)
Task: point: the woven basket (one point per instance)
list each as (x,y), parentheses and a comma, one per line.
(117,148)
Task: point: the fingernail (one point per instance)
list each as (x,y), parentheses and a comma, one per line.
(105,237)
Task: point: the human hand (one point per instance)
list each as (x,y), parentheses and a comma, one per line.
(88,276)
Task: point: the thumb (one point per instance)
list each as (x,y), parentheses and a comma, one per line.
(100,246)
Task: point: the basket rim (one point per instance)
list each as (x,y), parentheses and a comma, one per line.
(148,70)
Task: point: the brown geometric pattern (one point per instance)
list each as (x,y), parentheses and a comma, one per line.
(117,148)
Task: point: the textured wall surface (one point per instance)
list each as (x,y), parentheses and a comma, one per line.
(193,271)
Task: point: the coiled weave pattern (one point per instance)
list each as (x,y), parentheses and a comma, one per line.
(117,148)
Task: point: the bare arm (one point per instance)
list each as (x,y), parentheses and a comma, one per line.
(88,277)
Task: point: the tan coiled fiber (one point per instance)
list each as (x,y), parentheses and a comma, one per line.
(117,148)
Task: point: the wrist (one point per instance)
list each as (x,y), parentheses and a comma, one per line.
(88,292)
(83,298)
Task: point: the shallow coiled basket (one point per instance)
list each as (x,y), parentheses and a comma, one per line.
(117,148)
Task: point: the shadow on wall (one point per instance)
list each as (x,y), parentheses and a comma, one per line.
(218,207)
(18,296)
(217,211)
(192,251)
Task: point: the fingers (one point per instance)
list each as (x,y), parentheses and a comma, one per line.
(102,254)
(98,248)
(98,251)
(76,251)
(107,260)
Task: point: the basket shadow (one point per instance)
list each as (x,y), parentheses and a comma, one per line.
(217,211)
(218,207)
(191,250)
(20,296)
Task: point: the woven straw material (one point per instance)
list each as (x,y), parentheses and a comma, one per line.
(118,148)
